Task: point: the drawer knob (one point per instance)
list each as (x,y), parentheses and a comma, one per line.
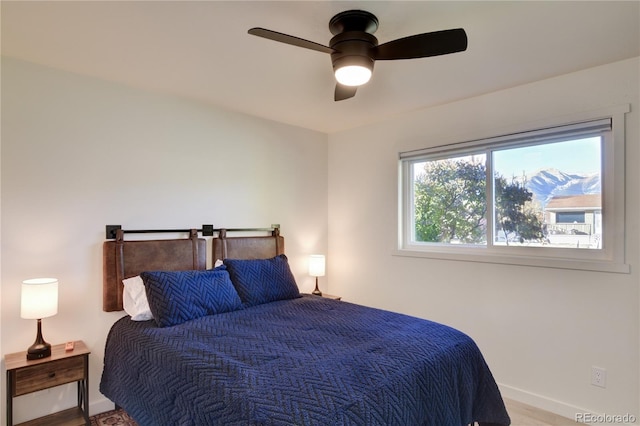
(52,374)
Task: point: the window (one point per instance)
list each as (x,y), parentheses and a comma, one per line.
(569,217)
(534,198)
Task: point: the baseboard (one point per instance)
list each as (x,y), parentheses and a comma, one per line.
(100,406)
(544,403)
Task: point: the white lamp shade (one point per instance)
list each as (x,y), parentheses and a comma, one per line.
(353,75)
(316,265)
(39,298)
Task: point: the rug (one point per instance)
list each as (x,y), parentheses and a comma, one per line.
(112,418)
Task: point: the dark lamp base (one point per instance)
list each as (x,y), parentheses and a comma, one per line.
(39,351)
(317,291)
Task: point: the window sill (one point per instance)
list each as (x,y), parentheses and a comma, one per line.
(540,262)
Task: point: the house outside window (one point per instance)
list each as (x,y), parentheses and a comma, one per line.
(534,198)
(574,220)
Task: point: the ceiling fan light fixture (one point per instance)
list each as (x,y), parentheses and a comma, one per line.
(353,75)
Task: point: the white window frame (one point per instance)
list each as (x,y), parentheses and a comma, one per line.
(611,258)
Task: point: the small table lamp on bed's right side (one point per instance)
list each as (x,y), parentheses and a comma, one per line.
(316,269)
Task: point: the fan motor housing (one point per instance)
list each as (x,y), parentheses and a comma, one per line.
(353,48)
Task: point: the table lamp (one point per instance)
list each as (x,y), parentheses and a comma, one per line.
(39,300)
(316,269)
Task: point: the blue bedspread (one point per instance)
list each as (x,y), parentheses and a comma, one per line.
(306,361)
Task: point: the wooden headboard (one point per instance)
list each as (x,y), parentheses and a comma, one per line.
(125,259)
(225,247)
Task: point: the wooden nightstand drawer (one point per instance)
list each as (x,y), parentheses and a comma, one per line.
(47,375)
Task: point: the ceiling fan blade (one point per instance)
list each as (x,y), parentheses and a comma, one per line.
(423,45)
(288,39)
(344,92)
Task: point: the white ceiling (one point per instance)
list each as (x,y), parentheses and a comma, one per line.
(201,50)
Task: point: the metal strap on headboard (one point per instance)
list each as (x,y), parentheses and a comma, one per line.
(223,237)
(119,255)
(193,236)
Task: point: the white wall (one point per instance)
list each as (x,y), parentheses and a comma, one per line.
(79,153)
(540,329)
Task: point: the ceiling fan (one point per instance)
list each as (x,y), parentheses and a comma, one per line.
(354,49)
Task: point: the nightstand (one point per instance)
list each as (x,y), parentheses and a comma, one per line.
(24,377)
(331,296)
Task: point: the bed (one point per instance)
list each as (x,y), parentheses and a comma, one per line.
(239,345)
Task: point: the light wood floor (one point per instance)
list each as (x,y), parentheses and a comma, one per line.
(525,415)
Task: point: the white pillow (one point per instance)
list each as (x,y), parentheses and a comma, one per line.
(135,300)
(218,263)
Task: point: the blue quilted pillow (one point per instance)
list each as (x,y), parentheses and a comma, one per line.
(179,296)
(260,281)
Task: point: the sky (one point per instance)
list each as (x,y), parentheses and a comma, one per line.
(580,156)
